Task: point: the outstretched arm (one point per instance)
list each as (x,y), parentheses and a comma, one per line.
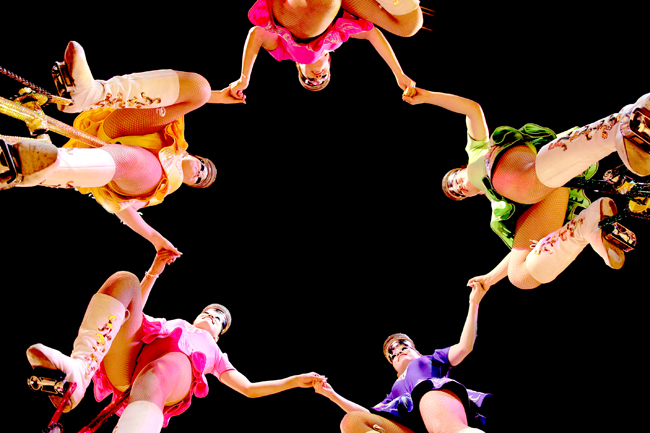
(257,38)
(494,276)
(460,350)
(325,389)
(239,382)
(133,219)
(163,257)
(382,46)
(476,124)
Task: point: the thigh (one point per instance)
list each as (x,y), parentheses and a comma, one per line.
(537,222)
(515,176)
(120,360)
(369,10)
(443,412)
(363,422)
(164,380)
(194,92)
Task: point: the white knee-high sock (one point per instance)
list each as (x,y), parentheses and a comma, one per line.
(140,417)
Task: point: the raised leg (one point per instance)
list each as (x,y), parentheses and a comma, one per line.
(193,92)
(402,18)
(100,328)
(566,157)
(556,251)
(152,89)
(538,221)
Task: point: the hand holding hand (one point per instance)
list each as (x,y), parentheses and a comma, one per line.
(237,89)
(163,257)
(160,243)
(308,380)
(223,96)
(406,84)
(478,289)
(324,388)
(414,96)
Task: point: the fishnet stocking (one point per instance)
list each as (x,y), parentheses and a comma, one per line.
(165,380)
(515,177)
(119,362)
(137,170)
(194,92)
(442,412)
(369,10)
(538,221)
(305,19)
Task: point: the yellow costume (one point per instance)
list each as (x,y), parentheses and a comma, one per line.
(169,143)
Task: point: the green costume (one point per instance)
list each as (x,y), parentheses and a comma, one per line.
(505,212)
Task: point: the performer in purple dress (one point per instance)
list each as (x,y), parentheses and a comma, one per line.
(423,398)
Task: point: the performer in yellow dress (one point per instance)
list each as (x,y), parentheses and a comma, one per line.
(140,116)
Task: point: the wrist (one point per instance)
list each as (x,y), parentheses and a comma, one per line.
(151,275)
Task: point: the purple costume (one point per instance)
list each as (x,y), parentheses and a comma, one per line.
(425,374)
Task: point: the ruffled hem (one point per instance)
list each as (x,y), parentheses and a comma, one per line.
(405,409)
(170,151)
(154,330)
(338,32)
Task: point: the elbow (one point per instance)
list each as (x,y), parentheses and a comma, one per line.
(249,393)
(257,34)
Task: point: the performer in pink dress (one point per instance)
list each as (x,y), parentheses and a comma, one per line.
(163,362)
(312,55)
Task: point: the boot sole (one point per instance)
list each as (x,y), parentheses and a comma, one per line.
(615,256)
(638,159)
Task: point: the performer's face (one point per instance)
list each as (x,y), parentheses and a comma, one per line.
(461,184)
(402,355)
(193,170)
(211,321)
(318,71)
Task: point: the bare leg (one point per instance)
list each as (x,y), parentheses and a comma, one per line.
(364,422)
(538,221)
(369,10)
(305,18)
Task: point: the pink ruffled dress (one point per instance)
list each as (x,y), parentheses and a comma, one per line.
(306,53)
(180,336)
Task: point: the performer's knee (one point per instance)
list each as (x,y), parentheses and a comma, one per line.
(121,283)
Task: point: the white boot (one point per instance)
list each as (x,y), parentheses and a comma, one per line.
(554,253)
(567,157)
(399,7)
(150,89)
(42,163)
(33,159)
(101,323)
(79,168)
(140,417)
(634,157)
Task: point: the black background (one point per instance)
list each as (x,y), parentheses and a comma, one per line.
(326,230)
